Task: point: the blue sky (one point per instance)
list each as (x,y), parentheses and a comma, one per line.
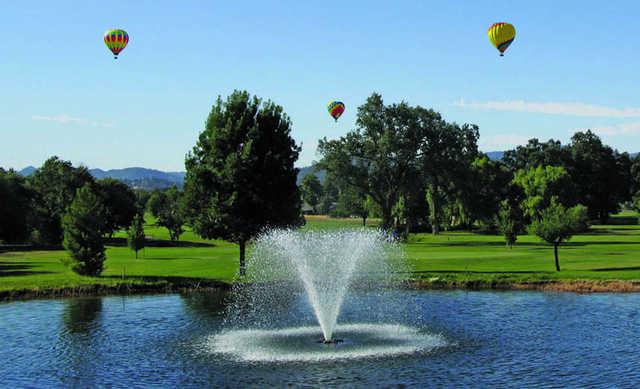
(574,65)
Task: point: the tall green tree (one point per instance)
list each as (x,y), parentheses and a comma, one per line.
(135,235)
(168,207)
(446,154)
(311,189)
(330,195)
(486,185)
(540,185)
(353,202)
(120,204)
(387,152)
(83,225)
(602,176)
(15,207)
(240,174)
(509,222)
(558,224)
(536,153)
(54,185)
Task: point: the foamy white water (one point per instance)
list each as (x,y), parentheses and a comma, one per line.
(297,344)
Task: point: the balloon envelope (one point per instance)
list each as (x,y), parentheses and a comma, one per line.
(116,40)
(501,35)
(335,108)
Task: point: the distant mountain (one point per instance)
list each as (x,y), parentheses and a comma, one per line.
(139,173)
(495,155)
(310,169)
(135,177)
(29,170)
(150,179)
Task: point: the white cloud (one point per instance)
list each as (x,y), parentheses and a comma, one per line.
(619,129)
(502,141)
(551,108)
(66,119)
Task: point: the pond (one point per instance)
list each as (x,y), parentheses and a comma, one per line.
(478,339)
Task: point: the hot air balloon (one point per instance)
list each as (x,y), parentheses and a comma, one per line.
(501,35)
(336,108)
(116,40)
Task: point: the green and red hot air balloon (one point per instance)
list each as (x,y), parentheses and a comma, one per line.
(116,40)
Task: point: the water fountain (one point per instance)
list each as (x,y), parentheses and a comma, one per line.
(323,269)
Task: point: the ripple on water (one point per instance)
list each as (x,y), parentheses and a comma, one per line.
(301,343)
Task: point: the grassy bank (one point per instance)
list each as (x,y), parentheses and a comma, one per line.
(452,259)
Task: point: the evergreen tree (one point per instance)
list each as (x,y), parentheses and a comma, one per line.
(135,236)
(83,225)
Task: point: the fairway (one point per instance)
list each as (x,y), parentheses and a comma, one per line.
(608,252)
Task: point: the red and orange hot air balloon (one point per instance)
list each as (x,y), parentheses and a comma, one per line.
(336,108)
(116,40)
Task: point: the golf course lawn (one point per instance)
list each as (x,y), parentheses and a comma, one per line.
(608,252)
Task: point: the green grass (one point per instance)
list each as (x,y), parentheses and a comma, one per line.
(604,253)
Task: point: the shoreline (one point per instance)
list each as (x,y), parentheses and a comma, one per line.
(570,286)
(196,285)
(121,289)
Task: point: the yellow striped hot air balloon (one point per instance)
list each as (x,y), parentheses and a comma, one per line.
(501,35)
(116,41)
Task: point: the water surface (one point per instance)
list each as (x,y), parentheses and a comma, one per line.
(505,339)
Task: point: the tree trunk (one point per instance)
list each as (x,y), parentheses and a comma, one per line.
(136,254)
(435,210)
(604,217)
(386,218)
(364,221)
(555,253)
(242,249)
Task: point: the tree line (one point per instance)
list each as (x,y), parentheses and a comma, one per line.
(404,164)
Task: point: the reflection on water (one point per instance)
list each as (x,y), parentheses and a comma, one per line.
(208,304)
(521,339)
(80,314)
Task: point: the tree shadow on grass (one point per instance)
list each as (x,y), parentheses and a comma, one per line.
(529,245)
(11,269)
(481,272)
(122,242)
(617,268)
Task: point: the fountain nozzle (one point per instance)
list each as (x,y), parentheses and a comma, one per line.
(330,341)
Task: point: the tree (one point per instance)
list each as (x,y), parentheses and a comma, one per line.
(120,204)
(135,236)
(240,174)
(311,189)
(481,193)
(393,148)
(446,154)
(353,202)
(540,185)
(330,195)
(15,207)
(83,225)
(54,186)
(535,153)
(142,198)
(509,221)
(602,176)
(557,224)
(169,210)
